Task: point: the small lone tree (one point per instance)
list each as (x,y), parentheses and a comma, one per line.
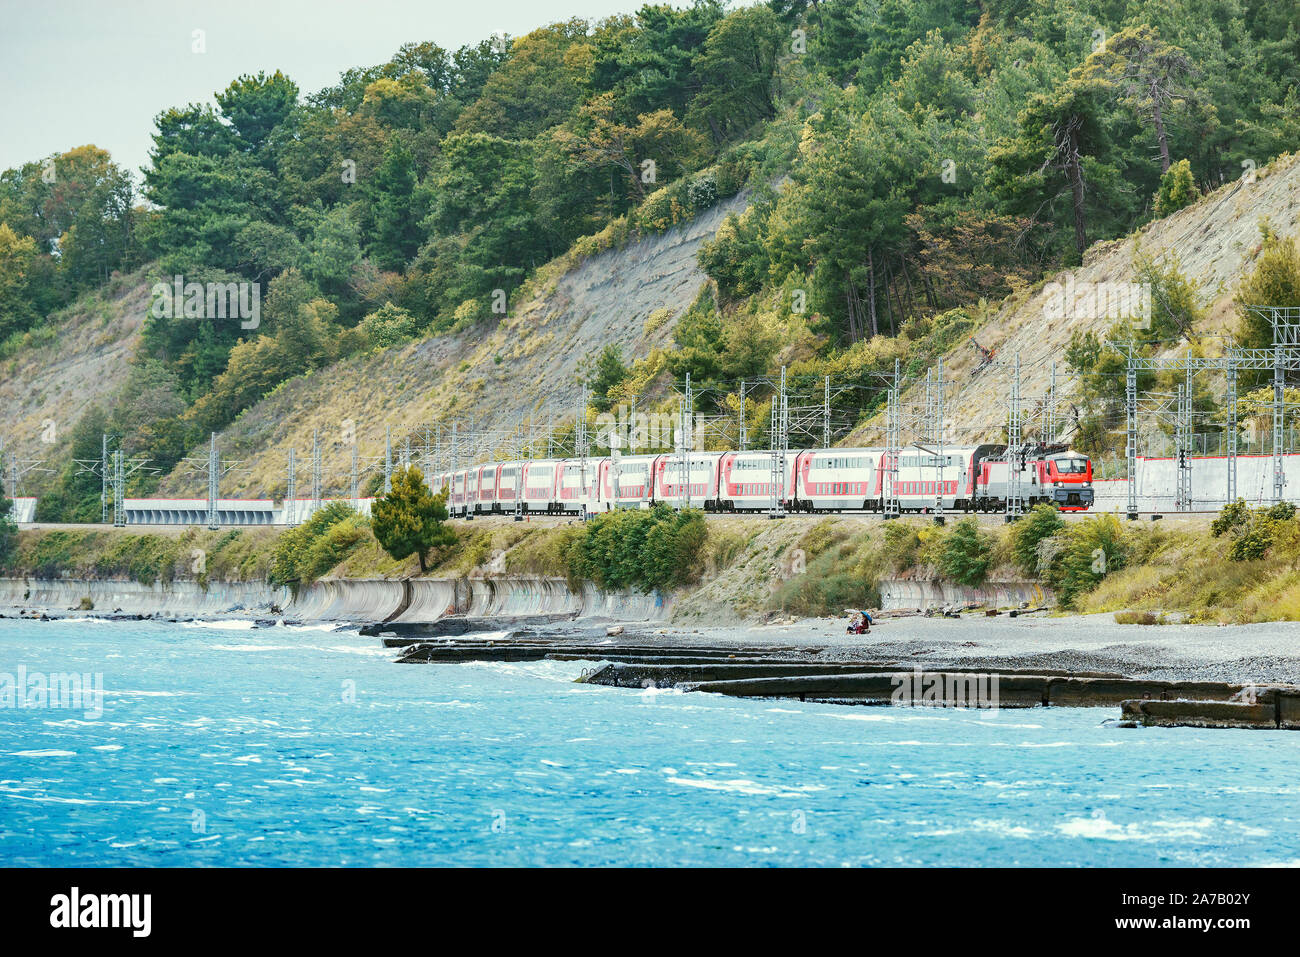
(1177,189)
(409,519)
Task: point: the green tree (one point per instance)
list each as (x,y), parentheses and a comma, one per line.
(389,325)
(1148,74)
(396,234)
(1177,189)
(737,68)
(256,105)
(608,371)
(966,554)
(409,519)
(1063,148)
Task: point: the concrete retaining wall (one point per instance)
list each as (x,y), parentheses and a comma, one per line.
(180,598)
(902,593)
(1157,483)
(344,600)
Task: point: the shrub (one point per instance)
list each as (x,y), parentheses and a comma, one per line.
(8,532)
(389,326)
(1233,516)
(1253,531)
(1138,618)
(650,550)
(1042,522)
(299,553)
(902,545)
(966,554)
(1091,549)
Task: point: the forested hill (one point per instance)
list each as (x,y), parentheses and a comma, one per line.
(903,164)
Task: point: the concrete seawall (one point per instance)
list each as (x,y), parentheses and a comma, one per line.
(900,593)
(179,598)
(344,600)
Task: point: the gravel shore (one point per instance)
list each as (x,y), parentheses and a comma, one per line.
(1258,652)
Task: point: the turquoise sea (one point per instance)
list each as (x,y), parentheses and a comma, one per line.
(233,745)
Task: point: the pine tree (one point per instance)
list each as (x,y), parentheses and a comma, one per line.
(409,519)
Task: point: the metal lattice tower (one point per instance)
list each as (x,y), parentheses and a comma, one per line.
(1015,450)
(1232,426)
(892,508)
(826,413)
(388,459)
(1131,433)
(780,445)
(119,490)
(684,445)
(214,484)
(356,480)
(103,473)
(938,441)
(744,426)
(580,445)
(291,492)
(1183,498)
(1281,357)
(1050,428)
(315,471)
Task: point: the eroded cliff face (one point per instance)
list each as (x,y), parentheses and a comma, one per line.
(1214,243)
(523,370)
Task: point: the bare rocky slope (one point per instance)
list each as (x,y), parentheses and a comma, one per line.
(524,370)
(46,389)
(1214,242)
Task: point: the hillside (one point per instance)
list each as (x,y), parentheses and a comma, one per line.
(81,360)
(1213,242)
(468,237)
(525,370)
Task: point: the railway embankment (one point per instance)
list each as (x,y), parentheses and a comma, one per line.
(730,571)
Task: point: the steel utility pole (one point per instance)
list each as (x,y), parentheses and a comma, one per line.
(291,492)
(938,443)
(388,459)
(684,443)
(214,484)
(892,507)
(315,472)
(780,445)
(1015,454)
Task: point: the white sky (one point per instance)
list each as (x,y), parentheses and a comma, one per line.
(98,71)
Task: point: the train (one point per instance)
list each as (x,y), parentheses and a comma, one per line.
(964,479)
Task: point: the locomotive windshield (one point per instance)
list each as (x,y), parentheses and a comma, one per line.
(1071,465)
